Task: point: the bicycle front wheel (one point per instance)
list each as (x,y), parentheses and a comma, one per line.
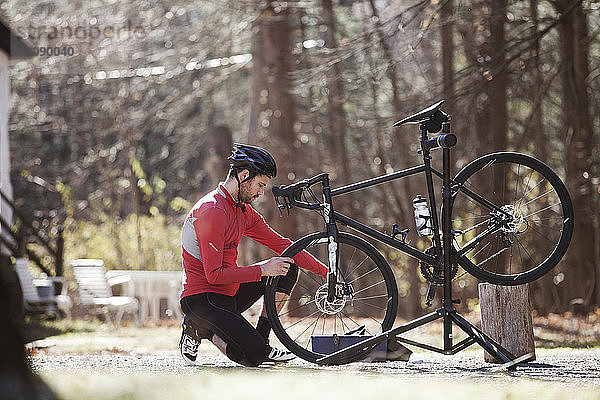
(369,300)
(512,218)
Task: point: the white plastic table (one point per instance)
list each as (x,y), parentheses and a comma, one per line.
(149,287)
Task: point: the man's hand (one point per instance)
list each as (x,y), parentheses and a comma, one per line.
(276,266)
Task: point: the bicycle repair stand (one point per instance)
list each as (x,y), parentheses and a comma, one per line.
(446,312)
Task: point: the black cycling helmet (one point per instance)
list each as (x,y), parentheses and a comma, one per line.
(254,159)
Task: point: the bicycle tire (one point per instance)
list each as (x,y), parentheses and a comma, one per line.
(307,311)
(535,235)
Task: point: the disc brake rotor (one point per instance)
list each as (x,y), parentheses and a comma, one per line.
(518,223)
(338,303)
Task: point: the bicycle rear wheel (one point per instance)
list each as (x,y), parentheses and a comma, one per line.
(512,218)
(370,296)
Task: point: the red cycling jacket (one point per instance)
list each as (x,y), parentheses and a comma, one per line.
(211,234)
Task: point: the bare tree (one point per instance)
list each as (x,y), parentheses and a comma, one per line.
(336,96)
(273,113)
(574,47)
(497,76)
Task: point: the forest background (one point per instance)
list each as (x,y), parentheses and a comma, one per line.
(112,142)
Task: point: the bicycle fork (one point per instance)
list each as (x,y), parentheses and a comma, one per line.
(332,238)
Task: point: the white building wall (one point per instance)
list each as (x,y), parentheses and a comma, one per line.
(5,184)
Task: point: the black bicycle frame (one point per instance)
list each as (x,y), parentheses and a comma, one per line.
(426,146)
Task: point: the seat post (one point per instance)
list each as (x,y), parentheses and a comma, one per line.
(424,135)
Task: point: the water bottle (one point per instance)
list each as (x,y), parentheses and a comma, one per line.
(422,216)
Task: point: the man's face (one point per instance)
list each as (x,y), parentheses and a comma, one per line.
(253,189)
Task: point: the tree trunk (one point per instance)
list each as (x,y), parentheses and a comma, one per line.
(579,273)
(447,51)
(506,318)
(536,91)
(219,144)
(335,97)
(498,76)
(402,200)
(476,127)
(272,115)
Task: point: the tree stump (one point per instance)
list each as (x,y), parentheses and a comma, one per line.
(506,318)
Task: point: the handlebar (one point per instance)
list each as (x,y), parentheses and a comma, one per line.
(290,195)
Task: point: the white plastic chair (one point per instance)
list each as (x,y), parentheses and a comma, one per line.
(38,294)
(95,290)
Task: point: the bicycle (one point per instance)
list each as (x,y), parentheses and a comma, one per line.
(507,219)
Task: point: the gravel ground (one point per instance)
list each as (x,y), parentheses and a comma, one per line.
(144,364)
(580,367)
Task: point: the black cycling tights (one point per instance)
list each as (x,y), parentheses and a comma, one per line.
(217,313)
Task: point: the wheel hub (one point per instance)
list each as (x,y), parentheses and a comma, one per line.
(515,222)
(343,295)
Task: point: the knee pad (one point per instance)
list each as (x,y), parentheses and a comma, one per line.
(287,282)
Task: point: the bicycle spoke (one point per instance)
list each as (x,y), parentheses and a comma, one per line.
(349,317)
(543,209)
(517,183)
(510,259)
(366,329)
(313,332)
(479,216)
(536,198)
(547,227)
(473,227)
(358,266)
(525,250)
(307,328)
(365,274)
(297,322)
(296,308)
(503,182)
(492,256)
(558,217)
(480,250)
(542,235)
(370,305)
(502,250)
(350,262)
(344,325)
(369,287)
(309,290)
(335,324)
(371,297)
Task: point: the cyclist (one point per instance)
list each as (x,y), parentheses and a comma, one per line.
(215,289)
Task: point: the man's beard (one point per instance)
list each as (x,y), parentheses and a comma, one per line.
(245,196)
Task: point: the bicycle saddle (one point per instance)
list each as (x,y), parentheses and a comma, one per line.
(432,112)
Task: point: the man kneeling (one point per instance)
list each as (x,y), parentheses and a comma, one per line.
(215,289)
